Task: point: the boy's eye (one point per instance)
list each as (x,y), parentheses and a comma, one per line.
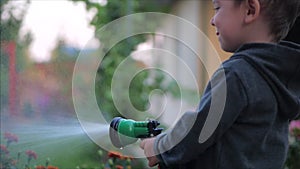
(216,8)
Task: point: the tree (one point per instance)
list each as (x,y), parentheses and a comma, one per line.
(139,90)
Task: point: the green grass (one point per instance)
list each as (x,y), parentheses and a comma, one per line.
(66,153)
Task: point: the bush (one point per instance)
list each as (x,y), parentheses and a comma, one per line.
(11,160)
(293,160)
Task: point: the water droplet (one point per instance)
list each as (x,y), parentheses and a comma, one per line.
(121,148)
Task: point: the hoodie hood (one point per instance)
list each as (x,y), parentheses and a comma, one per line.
(279,65)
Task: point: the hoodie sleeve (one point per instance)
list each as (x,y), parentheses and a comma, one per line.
(183,142)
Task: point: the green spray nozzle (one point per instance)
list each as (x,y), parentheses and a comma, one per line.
(123,132)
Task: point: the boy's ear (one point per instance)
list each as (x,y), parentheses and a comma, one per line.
(252,10)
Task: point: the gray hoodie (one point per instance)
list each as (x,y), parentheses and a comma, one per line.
(262,83)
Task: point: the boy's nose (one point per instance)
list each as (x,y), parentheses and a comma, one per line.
(212,22)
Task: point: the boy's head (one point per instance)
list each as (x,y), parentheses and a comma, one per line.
(245,21)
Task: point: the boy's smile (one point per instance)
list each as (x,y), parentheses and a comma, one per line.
(228,22)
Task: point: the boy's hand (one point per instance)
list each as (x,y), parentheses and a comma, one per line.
(147,146)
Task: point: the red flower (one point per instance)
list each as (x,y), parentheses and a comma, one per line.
(3,149)
(114,154)
(10,137)
(295,128)
(294,124)
(52,167)
(119,167)
(31,154)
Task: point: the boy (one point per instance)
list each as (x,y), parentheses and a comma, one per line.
(262,81)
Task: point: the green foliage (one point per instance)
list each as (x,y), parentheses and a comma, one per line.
(28,110)
(139,90)
(62,53)
(17,153)
(10,21)
(12,16)
(4,79)
(293,160)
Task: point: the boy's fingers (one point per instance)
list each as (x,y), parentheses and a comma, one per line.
(152,161)
(147,146)
(142,144)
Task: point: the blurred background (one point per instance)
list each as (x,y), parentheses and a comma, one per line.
(40,42)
